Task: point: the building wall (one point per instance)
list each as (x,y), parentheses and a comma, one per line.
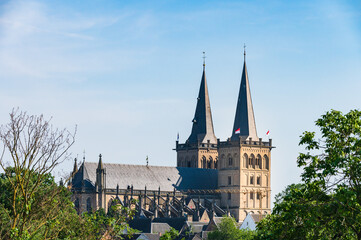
(244,178)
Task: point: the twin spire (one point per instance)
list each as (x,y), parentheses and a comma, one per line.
(202,129)
(244,121)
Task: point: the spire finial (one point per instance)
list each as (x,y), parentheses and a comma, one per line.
(244,51)
(100,164)
(84,155)
(204,59)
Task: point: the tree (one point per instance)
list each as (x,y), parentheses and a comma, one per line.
(32,147)
(62,219)
(228,230)
(114,224)
(327,205)
(170,235)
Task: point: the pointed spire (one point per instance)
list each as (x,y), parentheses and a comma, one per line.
(100,163)
(244,121)
(202,129)
(75,169)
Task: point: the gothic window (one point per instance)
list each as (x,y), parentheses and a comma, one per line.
(259,161)
(267,162)
(88,205)
(230,161)
(204,162)
(258,196)
(251,195)
(76,204)
(215,164)
(229,196)
(252,162)
(258,180)
(245,160)
(211,163)
(229,180)
(251,180)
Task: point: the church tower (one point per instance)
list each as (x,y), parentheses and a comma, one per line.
(244,166)
(200,149)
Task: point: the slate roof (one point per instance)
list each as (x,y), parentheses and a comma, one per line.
(160,227)
(148,236)
(167,178)
(202,129)
(258,217)
(176,223)
(244,119)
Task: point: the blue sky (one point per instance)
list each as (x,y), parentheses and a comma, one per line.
(128,72)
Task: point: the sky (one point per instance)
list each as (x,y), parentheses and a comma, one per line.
(127,73)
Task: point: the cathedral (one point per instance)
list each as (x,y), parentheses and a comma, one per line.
(212,178)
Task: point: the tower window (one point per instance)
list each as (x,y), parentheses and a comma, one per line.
(230,161)
(258,196)
(251,180)
(88,205)
(229,180)
(229,196)
(258,180)
(251,195)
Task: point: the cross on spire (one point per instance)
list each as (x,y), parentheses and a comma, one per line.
(204,59)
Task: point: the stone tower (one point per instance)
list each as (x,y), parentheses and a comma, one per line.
(200,149)
(244,166)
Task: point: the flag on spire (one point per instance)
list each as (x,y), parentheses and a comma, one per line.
(267,133)
(238,131)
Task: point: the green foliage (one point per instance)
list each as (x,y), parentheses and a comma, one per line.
(229,230)
(327,204)
(113,224)
(170,235)
(49,210)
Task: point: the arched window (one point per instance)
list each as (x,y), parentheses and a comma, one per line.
(252,161)
(267,161)
(258,180)
(216,163)
(230,161)
(211,163)
(76,205)
(204,162)
(88,205)
(245,160)
(259,161)
(251,180)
